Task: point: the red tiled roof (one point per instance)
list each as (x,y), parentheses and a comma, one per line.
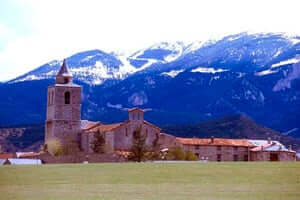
(105,127)
(152,125)
(7,155)
(133,109)
(216,142)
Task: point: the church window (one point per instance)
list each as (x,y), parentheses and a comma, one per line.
(66,80)
(132,116)
(67,98)
(126,132)
(138,116)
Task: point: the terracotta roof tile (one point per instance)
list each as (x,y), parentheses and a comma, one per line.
(105,127)
(152,125)
(7,155)
(217,142)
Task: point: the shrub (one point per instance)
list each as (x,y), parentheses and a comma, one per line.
(54,147)
(175,153)
(190,156)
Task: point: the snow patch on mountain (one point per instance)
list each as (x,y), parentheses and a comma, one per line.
(286,62)
(194,46)
(266,72)
(29,78)
(208,70)
(172,73)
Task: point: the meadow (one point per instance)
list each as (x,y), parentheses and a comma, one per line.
(153,181)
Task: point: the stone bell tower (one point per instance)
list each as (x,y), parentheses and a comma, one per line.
(63,108)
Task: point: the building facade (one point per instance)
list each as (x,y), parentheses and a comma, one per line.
(63,122)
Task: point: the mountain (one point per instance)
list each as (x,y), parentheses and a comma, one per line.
(251,74)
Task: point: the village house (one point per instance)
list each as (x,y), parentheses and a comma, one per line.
(64,123)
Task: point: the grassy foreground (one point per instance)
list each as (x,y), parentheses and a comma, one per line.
(187,181)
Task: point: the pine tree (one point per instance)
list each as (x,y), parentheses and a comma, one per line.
(139,149)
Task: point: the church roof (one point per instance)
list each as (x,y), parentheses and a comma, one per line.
(152,125)
(105,127)
(64,70)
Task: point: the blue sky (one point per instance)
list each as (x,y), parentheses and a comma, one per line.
(35,32)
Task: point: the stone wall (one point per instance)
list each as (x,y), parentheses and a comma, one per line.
(219,153)
(167,141)
(123,136)
(63,120)
(266,156)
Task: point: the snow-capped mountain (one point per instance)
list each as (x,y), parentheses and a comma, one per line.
(95,66)
(254,74)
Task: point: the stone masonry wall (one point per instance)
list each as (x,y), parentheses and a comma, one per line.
(265,156)
(219,153)
(123,136)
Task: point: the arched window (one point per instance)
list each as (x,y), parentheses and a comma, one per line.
(67,98)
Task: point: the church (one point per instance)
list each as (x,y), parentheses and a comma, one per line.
(63,122)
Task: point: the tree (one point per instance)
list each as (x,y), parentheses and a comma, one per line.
(139,149)
(98,144)
(1,150)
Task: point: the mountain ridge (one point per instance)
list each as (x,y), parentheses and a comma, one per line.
(252,74)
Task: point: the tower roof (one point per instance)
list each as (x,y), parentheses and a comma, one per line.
(64,70)
(64,76)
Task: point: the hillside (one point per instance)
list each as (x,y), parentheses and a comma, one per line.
(22,138)
(237,126)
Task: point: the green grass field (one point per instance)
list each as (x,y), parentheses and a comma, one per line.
(187,181)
